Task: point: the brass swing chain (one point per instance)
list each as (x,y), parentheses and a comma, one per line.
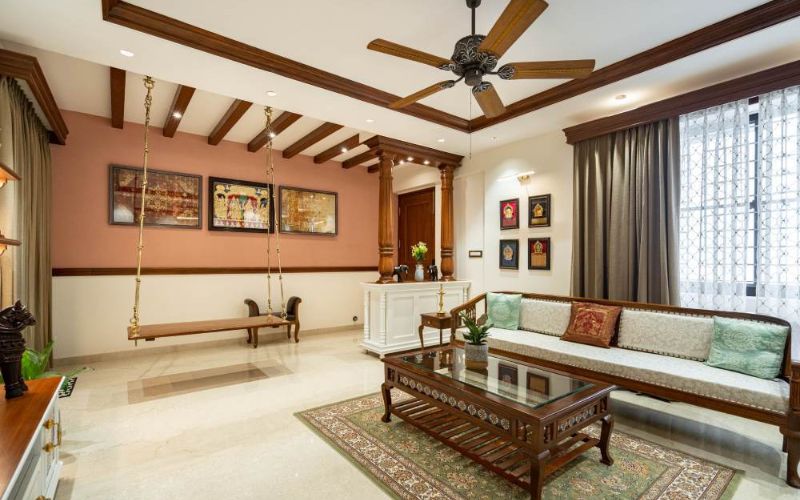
(271,179)
(148,102)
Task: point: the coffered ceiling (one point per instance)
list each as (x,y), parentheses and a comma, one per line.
(332,36)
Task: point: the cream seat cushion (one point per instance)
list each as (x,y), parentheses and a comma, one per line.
(544,316)
(676,373)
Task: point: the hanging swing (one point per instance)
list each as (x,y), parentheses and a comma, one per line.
(151,332)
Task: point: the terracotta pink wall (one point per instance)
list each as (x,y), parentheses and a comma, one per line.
(82,236)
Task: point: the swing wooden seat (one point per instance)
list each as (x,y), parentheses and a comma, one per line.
(252,323)
(154,331)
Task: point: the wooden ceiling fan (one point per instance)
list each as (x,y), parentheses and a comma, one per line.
(477,55)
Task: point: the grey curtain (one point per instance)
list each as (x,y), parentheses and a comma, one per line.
(626,202)
(30,158)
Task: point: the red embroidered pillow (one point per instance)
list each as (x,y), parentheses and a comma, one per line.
(592,324)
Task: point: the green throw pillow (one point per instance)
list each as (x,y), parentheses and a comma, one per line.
(748,347)
(504,310)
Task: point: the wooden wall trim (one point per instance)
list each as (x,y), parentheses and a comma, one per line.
(153,23)
(751,85)
(748,22)
(25,67)
(131,271)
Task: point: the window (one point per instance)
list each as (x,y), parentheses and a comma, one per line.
(740,178)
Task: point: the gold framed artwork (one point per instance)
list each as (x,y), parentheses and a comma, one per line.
(509,214)
(539,253)
(509,254)
(235,205)
(173,199)
(306,211)
(539,211)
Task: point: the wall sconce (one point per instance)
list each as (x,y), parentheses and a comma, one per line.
(6,174)
(7,242)
(524,177)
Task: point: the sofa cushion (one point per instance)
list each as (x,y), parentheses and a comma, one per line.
(749,347)
(592,324)
(675,373)
(503,309)
(550,317)
(677,335)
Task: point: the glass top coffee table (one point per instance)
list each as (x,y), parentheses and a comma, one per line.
(518,419)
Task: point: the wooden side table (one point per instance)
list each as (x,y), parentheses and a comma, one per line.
(434,320)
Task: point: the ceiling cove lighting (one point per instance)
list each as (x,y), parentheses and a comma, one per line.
(126,53)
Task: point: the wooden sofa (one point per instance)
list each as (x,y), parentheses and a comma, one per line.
(636,368)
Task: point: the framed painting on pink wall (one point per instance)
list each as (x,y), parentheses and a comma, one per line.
(173,199)
(235,205)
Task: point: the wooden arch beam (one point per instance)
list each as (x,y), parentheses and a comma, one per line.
(117,83)
(179,104)
(311,138)
(339,149)
(235,112)
(280,124)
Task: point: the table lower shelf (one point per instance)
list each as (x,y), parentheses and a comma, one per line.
(493,451)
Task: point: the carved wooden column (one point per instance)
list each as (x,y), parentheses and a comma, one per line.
(447,222)
(385,218)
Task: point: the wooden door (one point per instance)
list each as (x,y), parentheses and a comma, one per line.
(416,222)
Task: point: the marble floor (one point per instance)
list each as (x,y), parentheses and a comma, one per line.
(218,423)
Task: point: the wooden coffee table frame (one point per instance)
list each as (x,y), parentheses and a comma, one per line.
(520,443)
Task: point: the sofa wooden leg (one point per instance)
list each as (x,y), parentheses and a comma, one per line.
(792,461)
(785,444)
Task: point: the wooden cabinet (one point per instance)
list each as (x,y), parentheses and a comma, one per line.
(30,433)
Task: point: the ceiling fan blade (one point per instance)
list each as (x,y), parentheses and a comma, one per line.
(394,49)
(580,68)
(488,99)
(416,96)
(511,24)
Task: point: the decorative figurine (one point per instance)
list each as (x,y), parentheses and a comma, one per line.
(401,272)
(12,345)
(433,271)
(441,299)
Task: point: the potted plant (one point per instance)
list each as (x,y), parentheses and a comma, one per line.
(418,252)
(476,349)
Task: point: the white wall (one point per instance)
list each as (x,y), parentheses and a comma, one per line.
(486,179)
(91,313)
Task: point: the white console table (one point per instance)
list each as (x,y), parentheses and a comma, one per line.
(392,312)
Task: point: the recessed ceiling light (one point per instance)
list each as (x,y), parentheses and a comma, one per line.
(272,135)
(621,97)
(410,158)
(370,120)
(271,93)
(402,161)
(427,162)
(441,139)
(494,138)
(343,150)
(177,114)
(126,53)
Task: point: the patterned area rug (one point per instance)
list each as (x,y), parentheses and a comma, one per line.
(408,463)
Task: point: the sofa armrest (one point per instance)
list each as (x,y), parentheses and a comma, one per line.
(252,307)
(469,308)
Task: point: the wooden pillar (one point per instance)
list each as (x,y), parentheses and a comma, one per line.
(385,218)
(447,222)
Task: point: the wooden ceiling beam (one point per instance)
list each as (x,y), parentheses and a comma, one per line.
(117,82)
(311,138)
(237,109)
(26,68)
(750,21)
(179,104)
(403,150)
(153,23)
(339,149)
(373,169)
(280,124)
(358,159)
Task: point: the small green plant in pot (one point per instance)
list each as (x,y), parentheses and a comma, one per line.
(476,349)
